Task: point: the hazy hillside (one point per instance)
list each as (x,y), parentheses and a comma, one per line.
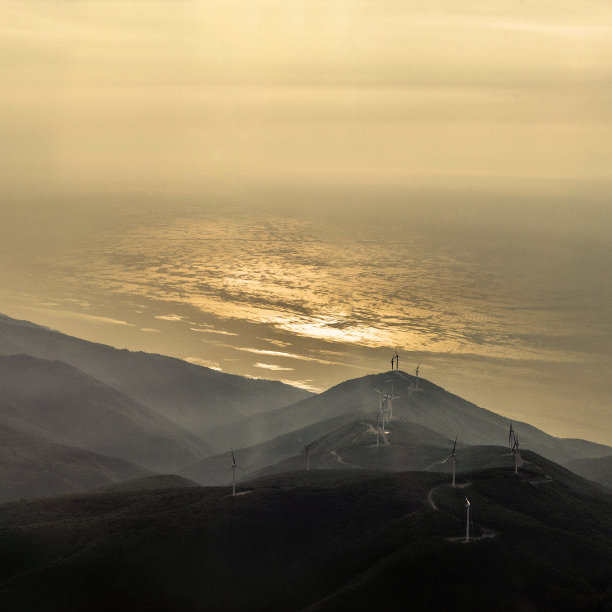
(431,407)
(598,469)
(60,403)
(195,397)
(404,447)
(213,470)
(31,466)
(319,541)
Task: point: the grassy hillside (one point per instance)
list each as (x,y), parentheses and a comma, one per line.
(148,483)
(319,541)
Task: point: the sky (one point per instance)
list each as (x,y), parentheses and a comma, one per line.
(291,190)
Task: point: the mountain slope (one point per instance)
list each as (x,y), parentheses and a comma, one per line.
(31,466)
(404,447)
(62,404)
(598,469)
(430,406)
(195,397)
(213,470)
(332,543)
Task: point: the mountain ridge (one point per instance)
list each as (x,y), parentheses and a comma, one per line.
(195,397)
(59,402)
(430,406)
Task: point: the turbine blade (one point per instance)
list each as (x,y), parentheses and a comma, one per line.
(233,458)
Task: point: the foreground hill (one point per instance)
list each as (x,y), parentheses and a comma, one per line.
(148,483)
(430,406)
(195,397)
(57,402)
(317,541)
(31,466)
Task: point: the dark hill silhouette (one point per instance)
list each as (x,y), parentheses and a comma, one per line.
(56,401)
(319,541)
(195,397)
(147,483)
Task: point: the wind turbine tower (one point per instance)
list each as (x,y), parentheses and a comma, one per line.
(389,399)
(453,459)
(307,451)
(417,376)
(381,405)
(518,460)
(234,468)
(467,520)
(380,427)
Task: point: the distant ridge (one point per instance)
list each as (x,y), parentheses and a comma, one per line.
(31,466)
(56,401)
(196,398)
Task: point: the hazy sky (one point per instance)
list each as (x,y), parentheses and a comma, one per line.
(291,189)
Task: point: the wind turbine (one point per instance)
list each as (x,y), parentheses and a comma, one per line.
(234,468)
(389,399)
(380,426)
(417,376)
(381,405)
(518,460)
(453,459)
(467,520)
(396,359)
(307,451)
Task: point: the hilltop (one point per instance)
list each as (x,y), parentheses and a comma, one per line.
(420,416)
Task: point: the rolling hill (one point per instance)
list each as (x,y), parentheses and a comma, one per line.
(317,541)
